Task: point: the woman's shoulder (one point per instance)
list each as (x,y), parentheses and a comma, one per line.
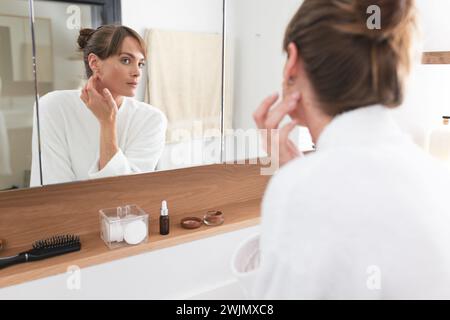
(61,94)
(297,174)
(300,167)
(59,99)
(146,111)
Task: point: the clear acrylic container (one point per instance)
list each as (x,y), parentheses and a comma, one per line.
(123,226)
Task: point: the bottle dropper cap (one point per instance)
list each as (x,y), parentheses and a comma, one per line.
(164,210)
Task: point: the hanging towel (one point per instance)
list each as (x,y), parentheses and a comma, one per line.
(185,81)
(5,162)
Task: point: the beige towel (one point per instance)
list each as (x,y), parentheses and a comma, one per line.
(185,81)
(5,160)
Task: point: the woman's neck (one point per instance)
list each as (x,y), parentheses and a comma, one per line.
(316,120)
(118,99)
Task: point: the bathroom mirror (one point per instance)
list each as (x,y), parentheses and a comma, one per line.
(17,93)
(182,79)
(254,63)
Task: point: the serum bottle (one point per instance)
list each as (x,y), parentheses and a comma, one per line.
(164,219)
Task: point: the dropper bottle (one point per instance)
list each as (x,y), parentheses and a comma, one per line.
(164,219)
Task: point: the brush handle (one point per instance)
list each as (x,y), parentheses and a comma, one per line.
(9,261)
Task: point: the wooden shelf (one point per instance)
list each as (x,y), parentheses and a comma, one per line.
(94,251)
(437,57)
(33,214)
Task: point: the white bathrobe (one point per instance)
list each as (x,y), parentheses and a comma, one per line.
(70,139)
(367,216)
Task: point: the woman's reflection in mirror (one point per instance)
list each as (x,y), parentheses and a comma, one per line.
(100,130)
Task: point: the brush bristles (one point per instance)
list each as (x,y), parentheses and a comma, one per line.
(57,241)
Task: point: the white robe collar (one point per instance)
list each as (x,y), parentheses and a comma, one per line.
(362,126)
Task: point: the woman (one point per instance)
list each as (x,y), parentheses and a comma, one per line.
(366,215)
(101,130)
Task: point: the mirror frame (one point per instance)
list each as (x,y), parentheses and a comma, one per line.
(112,9)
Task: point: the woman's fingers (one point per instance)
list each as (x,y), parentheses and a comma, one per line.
(261,113)
(84,95)
(286,130)
(278,113)
(269,118)
(108,97)
(96,83)
(293,148)
(91,89)
(283,137)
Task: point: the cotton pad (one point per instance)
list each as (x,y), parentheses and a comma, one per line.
(134,232)
(113,232)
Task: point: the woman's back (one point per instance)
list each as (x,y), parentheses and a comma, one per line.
(364,217)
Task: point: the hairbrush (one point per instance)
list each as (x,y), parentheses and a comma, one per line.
(44,249)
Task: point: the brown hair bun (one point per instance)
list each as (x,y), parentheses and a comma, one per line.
(84,36)
(395,15)
(349,63)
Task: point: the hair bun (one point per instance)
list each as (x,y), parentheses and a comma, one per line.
(84,36)
(393,14)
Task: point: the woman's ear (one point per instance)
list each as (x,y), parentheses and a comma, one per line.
(291,70)
(94,63)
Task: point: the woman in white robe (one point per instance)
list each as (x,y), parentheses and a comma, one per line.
(366,215)
(101,130)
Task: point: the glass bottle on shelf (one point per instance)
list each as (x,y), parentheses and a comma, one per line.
(439,140)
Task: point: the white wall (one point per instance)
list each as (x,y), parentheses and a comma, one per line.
(178,15)
(435,24)
(428,97)
(255,30)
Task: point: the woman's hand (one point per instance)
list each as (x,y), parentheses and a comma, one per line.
(269,119)
(104,107)
(100,102)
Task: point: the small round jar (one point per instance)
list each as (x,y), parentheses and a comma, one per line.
(191,223)
(213,218)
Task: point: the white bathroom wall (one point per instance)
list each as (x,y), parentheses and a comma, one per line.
(428,97)
(254,36)
(255,30)
(435,24)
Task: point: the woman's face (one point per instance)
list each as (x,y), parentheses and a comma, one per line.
(121,73)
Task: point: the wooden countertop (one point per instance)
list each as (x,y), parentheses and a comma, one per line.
(94,250)
(33,214)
